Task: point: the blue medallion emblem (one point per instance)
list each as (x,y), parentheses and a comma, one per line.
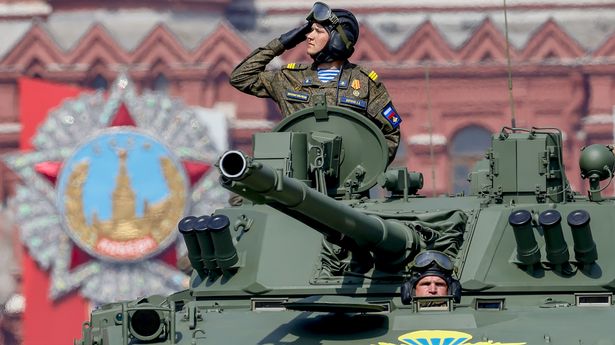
(120,195)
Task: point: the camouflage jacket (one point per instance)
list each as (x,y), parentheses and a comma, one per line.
(293,86)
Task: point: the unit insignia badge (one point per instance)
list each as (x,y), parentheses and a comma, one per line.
(103,191)
(439,337)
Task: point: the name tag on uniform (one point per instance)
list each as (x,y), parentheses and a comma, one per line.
(298,96)
(356,103)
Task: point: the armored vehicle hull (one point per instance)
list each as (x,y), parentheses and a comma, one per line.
(310,258)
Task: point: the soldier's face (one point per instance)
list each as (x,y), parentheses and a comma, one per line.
(431,286)
(316,39)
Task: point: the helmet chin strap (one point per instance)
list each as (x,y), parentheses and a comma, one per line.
(343,36)
(322,57)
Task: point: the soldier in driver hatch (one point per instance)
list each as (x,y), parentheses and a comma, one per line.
(432,276)
(331,36)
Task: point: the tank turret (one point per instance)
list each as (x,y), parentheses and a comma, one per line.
(391,242)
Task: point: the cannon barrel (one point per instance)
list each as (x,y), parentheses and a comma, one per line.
(391,242)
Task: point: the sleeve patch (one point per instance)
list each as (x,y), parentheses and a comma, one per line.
(391,115)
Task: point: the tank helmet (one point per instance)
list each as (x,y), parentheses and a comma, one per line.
(343,29)
(431,263)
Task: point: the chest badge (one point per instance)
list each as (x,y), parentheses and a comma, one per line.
(356,85)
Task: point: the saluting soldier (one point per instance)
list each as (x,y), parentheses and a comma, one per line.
(331,36)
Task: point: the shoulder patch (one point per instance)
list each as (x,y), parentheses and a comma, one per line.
(295,66)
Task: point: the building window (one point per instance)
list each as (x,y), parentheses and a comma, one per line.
(99,83)
(467,147)
(161,83)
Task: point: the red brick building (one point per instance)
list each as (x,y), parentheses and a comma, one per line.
(444,63)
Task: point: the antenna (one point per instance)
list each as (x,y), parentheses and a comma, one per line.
(513,122)
(430,125)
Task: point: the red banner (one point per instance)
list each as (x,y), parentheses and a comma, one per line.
(45,321)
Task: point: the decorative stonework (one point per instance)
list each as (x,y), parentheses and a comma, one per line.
(562,61)
(226,46)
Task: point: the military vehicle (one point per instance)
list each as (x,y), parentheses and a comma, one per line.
(310,258)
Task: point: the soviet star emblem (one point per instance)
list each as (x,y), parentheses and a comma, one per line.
(108,180)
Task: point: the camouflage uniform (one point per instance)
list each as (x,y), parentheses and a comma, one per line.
(293,86)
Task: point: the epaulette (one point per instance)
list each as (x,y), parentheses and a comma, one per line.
(370,74)
(295,66)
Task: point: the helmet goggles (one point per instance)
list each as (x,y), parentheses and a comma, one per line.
(428,258)
(322,14)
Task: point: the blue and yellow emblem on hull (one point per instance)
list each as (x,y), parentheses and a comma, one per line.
(441,337)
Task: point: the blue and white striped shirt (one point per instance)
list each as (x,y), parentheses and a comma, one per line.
(326,75)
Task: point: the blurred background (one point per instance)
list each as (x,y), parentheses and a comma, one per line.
(446,64)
